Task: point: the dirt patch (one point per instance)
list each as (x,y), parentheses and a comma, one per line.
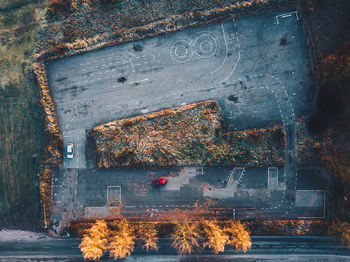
(190,135)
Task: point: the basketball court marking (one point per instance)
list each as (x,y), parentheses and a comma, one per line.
(113,193)
(286,15)
(182,51)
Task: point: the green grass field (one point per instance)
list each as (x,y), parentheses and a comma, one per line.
(20,117)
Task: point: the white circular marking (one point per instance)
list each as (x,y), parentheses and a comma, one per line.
(205,45)
(181,51)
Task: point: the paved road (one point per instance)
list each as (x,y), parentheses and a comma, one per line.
(255,67)
(274,247)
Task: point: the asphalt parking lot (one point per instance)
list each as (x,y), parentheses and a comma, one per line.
(242,60)
(255,67)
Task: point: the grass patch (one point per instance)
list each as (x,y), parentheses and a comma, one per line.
(20,118)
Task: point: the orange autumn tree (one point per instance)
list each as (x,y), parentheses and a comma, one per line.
(238,235)
(95,240)
(216,237)
(122,240)
(185,237)
(147,233)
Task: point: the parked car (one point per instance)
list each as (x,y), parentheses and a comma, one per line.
(70,150)
(159,181)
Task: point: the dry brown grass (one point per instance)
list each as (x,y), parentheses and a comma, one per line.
(53,152)
(184,136)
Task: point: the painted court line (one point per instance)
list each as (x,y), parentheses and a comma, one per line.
(286,15)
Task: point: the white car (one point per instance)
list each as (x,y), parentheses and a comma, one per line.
(70,150)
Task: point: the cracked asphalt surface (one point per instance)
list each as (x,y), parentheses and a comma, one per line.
(255,68)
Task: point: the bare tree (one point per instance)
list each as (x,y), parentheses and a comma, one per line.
(147,233)
(185,237)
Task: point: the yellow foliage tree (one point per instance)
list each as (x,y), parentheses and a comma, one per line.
(95,240)
(238,236)
(147,233)
(185,237)
(341,229)
(122,241)
(216,236)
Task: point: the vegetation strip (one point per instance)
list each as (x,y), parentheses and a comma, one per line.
(118,237)
(190,135)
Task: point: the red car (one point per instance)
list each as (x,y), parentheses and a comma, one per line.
(159,181)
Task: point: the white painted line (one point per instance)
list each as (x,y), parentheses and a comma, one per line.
(234,68)
(226,55)
(143,80)
(286,15)
(324,203)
